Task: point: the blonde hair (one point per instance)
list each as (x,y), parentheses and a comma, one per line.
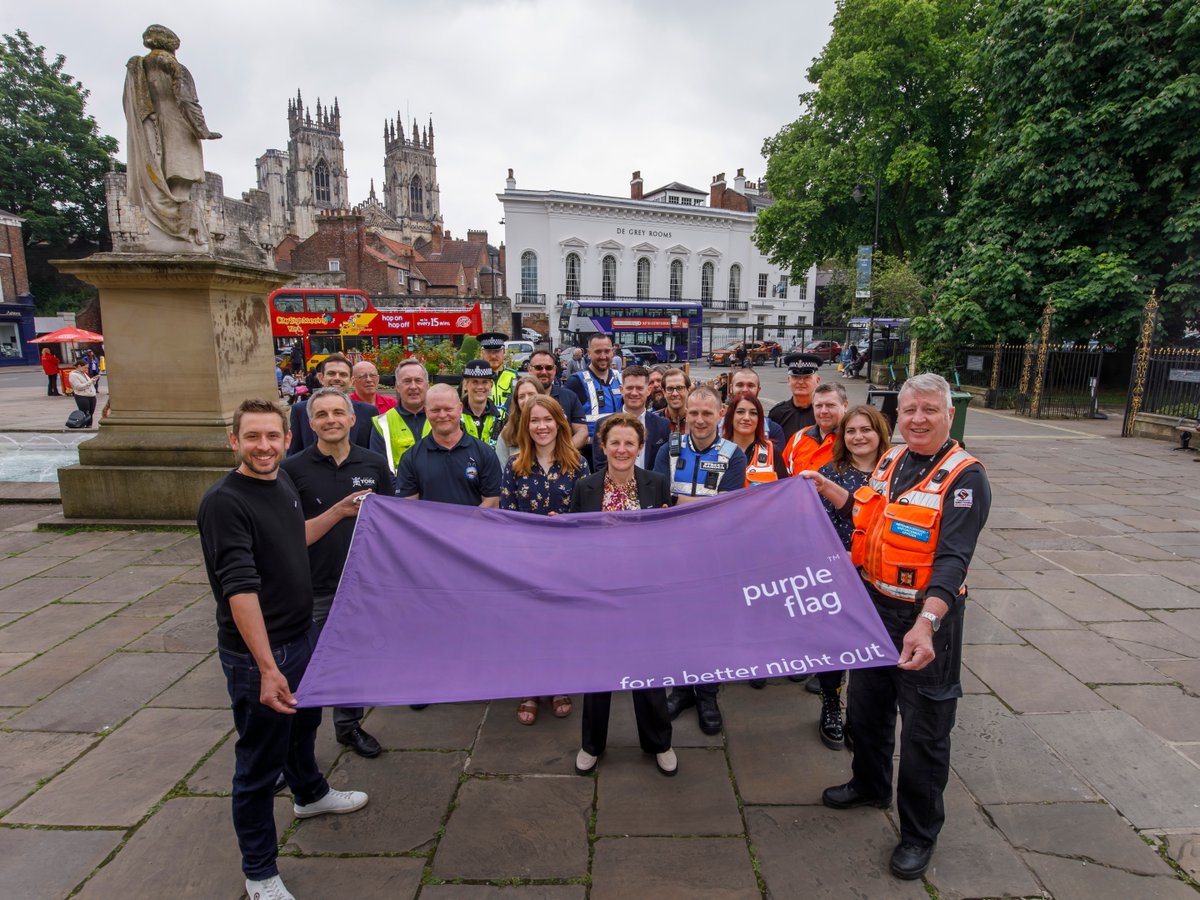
(565,453)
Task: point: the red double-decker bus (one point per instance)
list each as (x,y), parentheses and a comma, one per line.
(347,321)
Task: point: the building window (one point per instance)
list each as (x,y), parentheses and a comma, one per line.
(572,275)
(415,196)
(529,276)
(676,279)
(706,283)
(608,277)
(643,278)
(735,283)
(783,286)
(782,325)
(321,182)
(762,284)
(335,265)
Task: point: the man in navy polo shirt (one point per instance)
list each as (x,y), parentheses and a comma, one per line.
(330,471)
(448,465)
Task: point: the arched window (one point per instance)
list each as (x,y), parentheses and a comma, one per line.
(706,283)
(643,278)
(529,286)
(416,201)
(735,283)
(608,277)
(676,279)
(321,182)
(573,275)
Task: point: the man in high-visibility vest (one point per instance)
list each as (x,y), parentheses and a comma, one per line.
(812,447)
(504,379)
(916,526)
(405,424)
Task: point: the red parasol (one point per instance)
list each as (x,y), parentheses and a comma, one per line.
(69,336)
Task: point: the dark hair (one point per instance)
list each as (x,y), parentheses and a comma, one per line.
(544,352)
(841,459)
(621,420)
(637,372)
(334,358)
(255,405)
(759,428)
(597,335)
(831,387)
(687,379)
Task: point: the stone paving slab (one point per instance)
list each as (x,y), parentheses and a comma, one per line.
(409,792)
(78,544)
(28,757)
(19,542)
(673,869)
(634,798)
(505,892)
(522,827)
(1185,850)
(1092,659)
(129,583)
(204,687)
(148,540)
(50,625)
(169,600)
(18,568)
(1017,609)
(1149,640)
(1078,597)
(186,849)
(505,746)
(442,726)
(394,878)
(184,552)
(1028,681)
(1147,782)
(1166,710)
(47,865)
(1184,572)
(1148,591)
(1071,879)
(108,694)
(51,670)
(97,563)
(131,770)
(1185,671)
(9,661)
(192,631)
(1186,621)
(984,628)
(34,593)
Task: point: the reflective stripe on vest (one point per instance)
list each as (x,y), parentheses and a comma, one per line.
(713,462)
(760,464)
(397,436)
(489,428)
(503,387)
(594,409)
(808,450)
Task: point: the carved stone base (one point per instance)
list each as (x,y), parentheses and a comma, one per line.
(186,339)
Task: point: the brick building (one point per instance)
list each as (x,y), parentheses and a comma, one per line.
(16,303)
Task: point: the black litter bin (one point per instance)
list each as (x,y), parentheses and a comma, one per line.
(887,402)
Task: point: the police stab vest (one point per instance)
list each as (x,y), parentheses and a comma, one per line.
(492,423)
(397,436)
(602,399)
(503,387)
(698,474)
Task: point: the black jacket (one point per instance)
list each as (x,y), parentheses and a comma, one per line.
(654,491)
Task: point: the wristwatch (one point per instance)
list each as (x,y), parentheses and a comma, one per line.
(934,620)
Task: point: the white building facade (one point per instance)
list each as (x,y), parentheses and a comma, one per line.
(561,244)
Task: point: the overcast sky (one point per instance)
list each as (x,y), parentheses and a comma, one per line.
(572,95)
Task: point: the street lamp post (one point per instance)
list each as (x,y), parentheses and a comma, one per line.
(858,195)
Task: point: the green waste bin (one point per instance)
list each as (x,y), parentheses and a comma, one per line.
(958,426)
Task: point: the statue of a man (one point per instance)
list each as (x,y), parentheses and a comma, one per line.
(165,128)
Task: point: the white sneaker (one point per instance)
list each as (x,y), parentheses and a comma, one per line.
(268,889)
(585,762)
(667,762)
(335,802)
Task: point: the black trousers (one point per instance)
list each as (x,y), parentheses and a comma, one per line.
(52,386)
(650,710)
(927,701)
(88,405)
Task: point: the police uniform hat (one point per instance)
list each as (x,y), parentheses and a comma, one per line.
(803,363)
(478,368)
(492,340)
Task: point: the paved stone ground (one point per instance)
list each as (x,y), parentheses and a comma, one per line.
(1076,756)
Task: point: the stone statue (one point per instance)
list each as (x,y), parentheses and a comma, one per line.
(165,128)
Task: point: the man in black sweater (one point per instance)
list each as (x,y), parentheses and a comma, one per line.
(252,533)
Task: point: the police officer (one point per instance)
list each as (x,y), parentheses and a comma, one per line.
(914,562)
(598,387)
(796,412)
(491,348)
(700,464)
(812,447)
(482,418)
(404,424)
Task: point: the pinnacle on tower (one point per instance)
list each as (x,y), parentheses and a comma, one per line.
(415,136)
(431,132)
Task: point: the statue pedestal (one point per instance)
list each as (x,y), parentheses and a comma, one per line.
(186,338)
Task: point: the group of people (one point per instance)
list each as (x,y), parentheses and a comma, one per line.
(275,545)
(83,379)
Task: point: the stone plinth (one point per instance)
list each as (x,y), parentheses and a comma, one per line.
(187,338)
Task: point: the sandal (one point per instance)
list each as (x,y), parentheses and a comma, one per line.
(562,706)
(527,711)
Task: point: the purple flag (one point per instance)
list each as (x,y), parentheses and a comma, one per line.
(442,603)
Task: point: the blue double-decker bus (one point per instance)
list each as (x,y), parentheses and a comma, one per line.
(670,327)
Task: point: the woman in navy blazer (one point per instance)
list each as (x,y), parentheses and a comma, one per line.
(622,486)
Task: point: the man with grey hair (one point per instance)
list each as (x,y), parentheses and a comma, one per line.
(403,425)
(332,476)
(917,523)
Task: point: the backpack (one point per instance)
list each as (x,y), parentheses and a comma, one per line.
(79,419)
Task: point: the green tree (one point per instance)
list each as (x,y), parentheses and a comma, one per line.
(52,155)
(1088,194)
(895,102)
(897,291)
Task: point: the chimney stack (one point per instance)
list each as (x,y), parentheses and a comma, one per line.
(510,183)
(739,181)
(716,192)
(635,186)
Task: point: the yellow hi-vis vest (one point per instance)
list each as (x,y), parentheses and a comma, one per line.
(397,436)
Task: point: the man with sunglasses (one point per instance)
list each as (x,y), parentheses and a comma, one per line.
(544,367)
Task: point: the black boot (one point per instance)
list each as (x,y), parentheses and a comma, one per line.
(830,726)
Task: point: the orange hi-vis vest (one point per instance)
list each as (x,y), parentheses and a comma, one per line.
(807,450)
(760,464)
(895,541)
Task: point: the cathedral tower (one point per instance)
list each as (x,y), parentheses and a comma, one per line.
(316,177)
(410,188)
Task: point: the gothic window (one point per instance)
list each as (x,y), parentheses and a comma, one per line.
(676,279)
(608,277)
(529,277)
(735,283)
(706,283)
(643,278)
(415,196)
(573,275)
(321,182)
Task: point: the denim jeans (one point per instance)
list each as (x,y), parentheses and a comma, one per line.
(269,743)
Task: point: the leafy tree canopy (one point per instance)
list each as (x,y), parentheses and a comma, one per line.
(896,291)
(52,155)
(895,102)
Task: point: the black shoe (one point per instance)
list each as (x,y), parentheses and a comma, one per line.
(910,861)
(813,685)
(361,743)
(280,784)
(678,701)
(830,726)
(417,706)
(708,713)
(799,679)
(757,683)
(846,796)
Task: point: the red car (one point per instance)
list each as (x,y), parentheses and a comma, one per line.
(831,350)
